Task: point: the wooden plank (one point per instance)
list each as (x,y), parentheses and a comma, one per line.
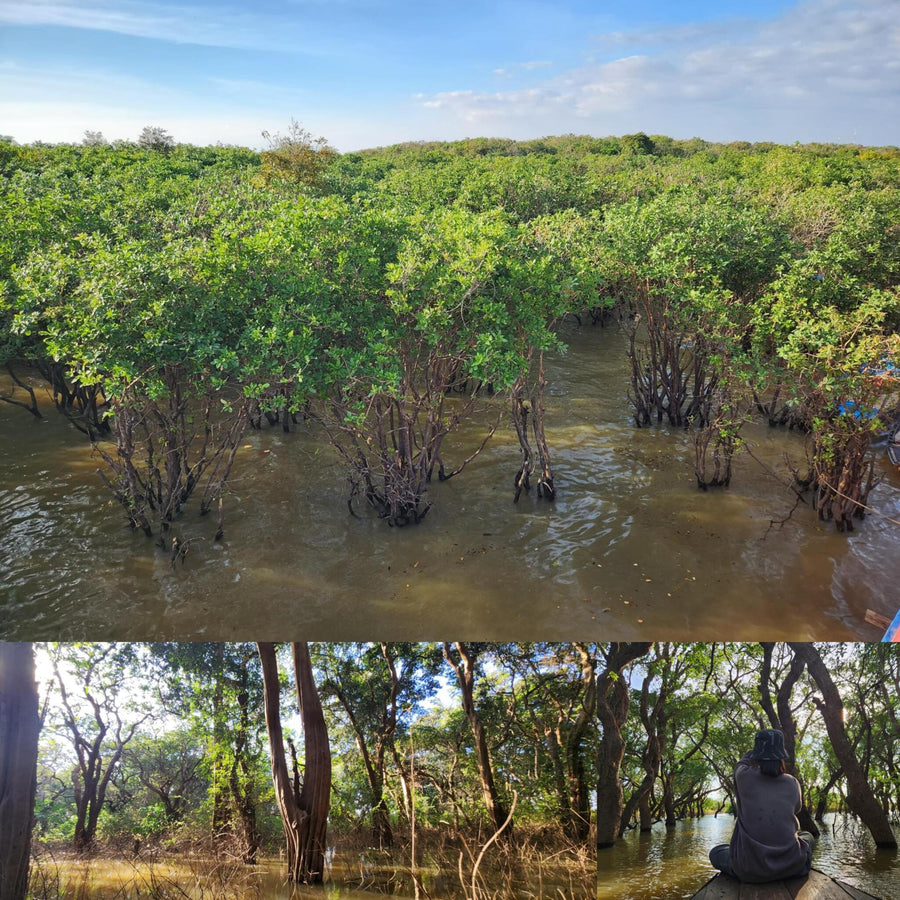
(773,890)
(717,888)
(877,619)
(818,886)
(810,887)
(815,886)
(855,893)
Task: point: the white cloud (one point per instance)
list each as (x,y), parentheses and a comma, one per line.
(823,70)
(826,67)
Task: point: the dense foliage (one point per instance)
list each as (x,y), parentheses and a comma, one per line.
(172,296)
(178,737)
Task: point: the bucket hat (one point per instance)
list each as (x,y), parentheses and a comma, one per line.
(769,745)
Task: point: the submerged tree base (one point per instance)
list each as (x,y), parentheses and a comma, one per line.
(543,864)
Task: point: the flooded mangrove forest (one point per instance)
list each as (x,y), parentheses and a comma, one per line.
(629,547)
(445,770)
(627,387)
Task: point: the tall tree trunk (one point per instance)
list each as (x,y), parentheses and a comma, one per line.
(669,800)
(315,797)
(240,777)
(860,797)
(465,674)
(554,742)
(304,813)
(373,766)
(612,710)
(822,805)
(374,759)
(579,796)
(221,812)
(782,718)
(651,758)
(381,816)
(19,729)
(646,814)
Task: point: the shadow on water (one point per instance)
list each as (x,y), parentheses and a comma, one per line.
(629,550)
(670,864)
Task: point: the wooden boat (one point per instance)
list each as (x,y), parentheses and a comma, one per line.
(893,449)
(815,886)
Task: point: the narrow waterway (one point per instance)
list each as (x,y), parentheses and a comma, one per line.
(671,864)
(630,548)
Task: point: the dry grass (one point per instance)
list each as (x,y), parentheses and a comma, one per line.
(539,864)
(175,877)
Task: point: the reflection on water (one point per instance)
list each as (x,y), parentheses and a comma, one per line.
(629,550)
(670,864)
(662,865)
(348,875)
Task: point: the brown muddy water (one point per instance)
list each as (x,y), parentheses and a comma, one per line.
(348,875)
(630,549)
(662,865)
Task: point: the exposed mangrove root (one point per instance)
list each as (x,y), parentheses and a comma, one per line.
(528,399)
(596,315)
(871,510)
(392,445)
(275,408)
(778,413)
(165,448)
(672,375)
(181,548)
(83,405)
(844,471)
(722,431)
(32,406)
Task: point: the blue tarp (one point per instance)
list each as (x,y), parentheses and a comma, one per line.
(892,635)
(849,408)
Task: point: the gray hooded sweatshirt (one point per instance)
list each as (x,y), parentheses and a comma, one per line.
(765,845)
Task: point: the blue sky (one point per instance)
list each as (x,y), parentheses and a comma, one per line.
(366,73)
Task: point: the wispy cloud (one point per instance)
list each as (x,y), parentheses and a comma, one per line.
(80,84)
(825,63)
(57,104)
(184,24)
(251,90)
(511,69)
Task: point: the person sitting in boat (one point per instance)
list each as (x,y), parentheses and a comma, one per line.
(767,844)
